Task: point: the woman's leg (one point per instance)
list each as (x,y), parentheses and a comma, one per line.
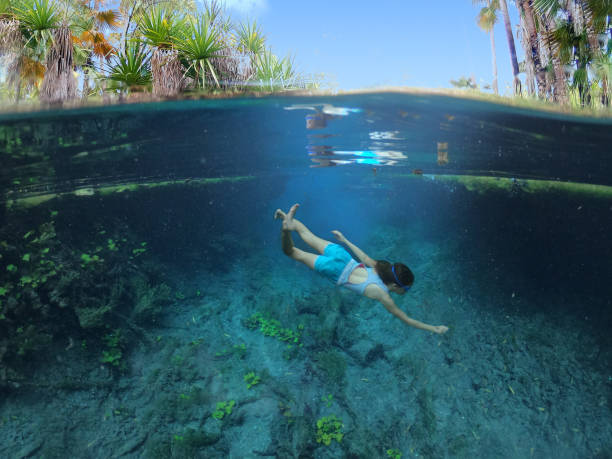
(293,252)
(292,224)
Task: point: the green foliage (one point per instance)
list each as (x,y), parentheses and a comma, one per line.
(140,250)
(251,379)
(273,328)
(328,400)
(394,454)
(130,68)
(89,260)
(113,353)
(160,27)
(37,15)
(199,43)
(223,409)
(149,299)
(272,72)
(329,428)
(250,39)
(464,83)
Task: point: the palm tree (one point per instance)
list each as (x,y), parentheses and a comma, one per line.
(273,73)
(546,13)
(487,17)
(532,44)
(250,41)
(199,44)
(59,83)
(130,69)
(160,29)
(91,44)
(570,31)
(11,40)
(36,21)
(512,48)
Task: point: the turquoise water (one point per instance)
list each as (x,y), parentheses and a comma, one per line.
(147,309)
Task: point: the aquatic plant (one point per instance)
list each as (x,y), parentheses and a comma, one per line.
(329,428)
(394,454)
(251,379)
(223,409)
(113,352)
(273,328)
(328,400)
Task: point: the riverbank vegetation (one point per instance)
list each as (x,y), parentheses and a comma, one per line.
(567,48)
(57,51)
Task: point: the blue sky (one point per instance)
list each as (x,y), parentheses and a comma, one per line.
(363,44)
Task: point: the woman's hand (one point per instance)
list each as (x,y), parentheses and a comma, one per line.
(440,329)
(339,236)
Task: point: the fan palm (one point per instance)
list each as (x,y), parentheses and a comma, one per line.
(89,36)
(571,31)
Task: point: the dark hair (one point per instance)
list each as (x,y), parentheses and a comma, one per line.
(384,270)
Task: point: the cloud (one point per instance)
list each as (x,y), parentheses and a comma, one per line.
(246,6)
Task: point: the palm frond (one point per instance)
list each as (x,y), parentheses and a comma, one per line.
(273,72)
(200,43)
(130,68)
(110,19)
(37,15)
(487,18)
(159,27)
(249,38)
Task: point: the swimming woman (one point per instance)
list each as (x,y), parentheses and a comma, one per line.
(374,279)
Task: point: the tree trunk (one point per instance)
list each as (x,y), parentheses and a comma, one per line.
(534,46)
(494,63)
(559,83)
(167,73)
(511,47)
(59,84)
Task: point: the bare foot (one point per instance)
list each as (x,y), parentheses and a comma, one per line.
(288,223)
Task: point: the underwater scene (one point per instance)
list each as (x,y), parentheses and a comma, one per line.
(148,308)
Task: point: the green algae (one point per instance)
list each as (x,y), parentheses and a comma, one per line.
(482,185)
(105,190)
(487,184)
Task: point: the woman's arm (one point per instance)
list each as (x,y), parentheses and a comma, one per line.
(390,305)
(363,257)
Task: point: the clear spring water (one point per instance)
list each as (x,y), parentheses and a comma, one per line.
(142,281)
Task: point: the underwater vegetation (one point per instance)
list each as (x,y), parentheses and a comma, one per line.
(87,290)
